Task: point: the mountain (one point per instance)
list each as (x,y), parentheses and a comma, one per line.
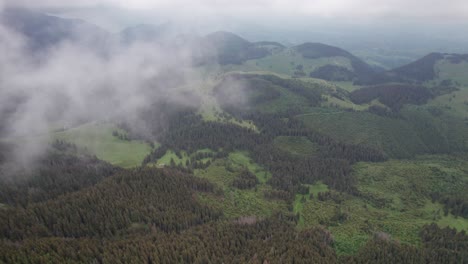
(315,60)
(45,31)
(228,48)
(434,66)
(420,70)
(359,69)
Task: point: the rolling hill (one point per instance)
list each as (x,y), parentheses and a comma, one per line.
(45,31)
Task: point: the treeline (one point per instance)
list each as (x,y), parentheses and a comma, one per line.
(159,199)
(420,70)
(456,204)
(438,246)
(333,73)
(363,71)
(266,241)
(60,170)
(245,180)
(260,89)
(311,91)
(188,132)
(272,240)
(332,165)
(159,117)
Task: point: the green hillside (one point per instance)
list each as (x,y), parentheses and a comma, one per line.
(98,139)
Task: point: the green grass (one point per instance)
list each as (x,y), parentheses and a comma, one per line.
(394,200)
(451,71)
(285,101)
(317,188)
(217,174)
(296,145)
(417,133)
(97,139)
(210,111)
(184,157)
(242,159)
(334,102)
(393,136)
(408,183)
(222,172)
(298,206)
(348,86)
(285,62)
(170,155)
(234,202)
(457,102)
(301,199)
(451,221)
(237,203)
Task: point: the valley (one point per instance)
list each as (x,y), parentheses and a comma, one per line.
(250,152)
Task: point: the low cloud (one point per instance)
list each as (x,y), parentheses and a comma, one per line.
(69,83)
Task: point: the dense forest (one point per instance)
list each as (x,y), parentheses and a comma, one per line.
(73,202)
(150,215)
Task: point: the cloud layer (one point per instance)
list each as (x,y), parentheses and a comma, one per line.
(432,9)
(69,83)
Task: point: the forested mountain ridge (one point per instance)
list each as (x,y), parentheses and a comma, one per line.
(45,31)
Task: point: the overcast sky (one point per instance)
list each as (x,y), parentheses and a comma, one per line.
(428,9)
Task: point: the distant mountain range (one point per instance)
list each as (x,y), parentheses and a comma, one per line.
(315,60)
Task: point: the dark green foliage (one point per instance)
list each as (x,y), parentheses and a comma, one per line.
(333,73)
(456,204)
(265,241)
(159,116)
(249,91)
(312,94)
(444,87)
(382,111)
(56,173)
(239,91)
(438,246)
(333,166)
(362,70)
(334,196)
(420,70)
(392,95)
(245,180)
(161,199)
(278,194)
(121,136)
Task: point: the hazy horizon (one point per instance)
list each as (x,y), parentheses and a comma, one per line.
(360,26)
